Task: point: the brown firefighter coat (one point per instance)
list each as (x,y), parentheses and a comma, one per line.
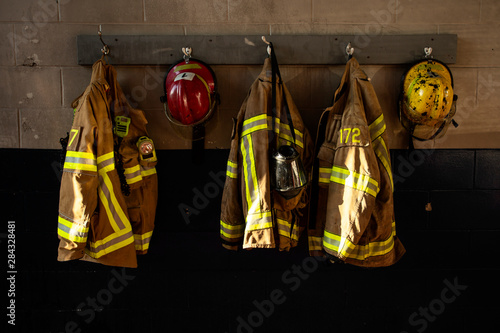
(108,189)
(353,215)
(252,215)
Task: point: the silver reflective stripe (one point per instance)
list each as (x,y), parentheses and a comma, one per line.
(254,124)
(231,231)
(355,180)
(346,248)
(259,221)
(232,169)
(251,183)
(324,175)
(110,204)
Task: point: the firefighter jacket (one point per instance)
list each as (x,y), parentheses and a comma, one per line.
(352,215)
(252,214)
(108,191)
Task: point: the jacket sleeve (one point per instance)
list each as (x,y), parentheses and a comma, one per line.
(320,180)
(353,186)
(232,222)
(79,182)
(140,175)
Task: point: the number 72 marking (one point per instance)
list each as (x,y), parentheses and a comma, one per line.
(355,135)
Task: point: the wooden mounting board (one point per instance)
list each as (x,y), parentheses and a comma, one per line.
(251,50)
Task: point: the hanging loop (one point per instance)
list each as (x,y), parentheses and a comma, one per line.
(187,53)
(268,45)
(428,51)
(105,47)
(349,50)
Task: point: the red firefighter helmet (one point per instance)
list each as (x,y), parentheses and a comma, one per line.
(190,92)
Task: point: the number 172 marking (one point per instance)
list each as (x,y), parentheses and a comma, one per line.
(345,134)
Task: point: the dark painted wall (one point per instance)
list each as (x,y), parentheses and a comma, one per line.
(446,282)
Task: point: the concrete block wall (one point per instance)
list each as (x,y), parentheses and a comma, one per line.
(41,77)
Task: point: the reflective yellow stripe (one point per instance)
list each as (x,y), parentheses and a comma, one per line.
(142,247)
(80,154)
(383,154)
(118,209)
(254,119)
(377,127)
(315,243)
(80,166)
(232,227)
(324,175)
(186,66)
(251,183)
(143,236)
(231,231)
(355,180)
(262,220)
(105,157)
(142,241)
(132,169)
(254,124)
(111,248)
(232,169)
(134,180)
(258,226)
(256,195)
(285,229)
(148,172)
(208,88)
(284,223)
(348,249)
(284,132)
(72,231)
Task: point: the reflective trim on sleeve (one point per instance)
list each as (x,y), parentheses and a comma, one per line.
(110,244)
(231,231)
(83,161)
(117,217)
(232,169)
(254,124)
(251,184)
(315,243)
(347,249)
(142,241)
(284,132)
(382,153)
(354,180)
(285,229)
(72,231)
(377,128)
(133,174)
(147,171)
(264,122)
(324,175)
(106,162)
(259,221)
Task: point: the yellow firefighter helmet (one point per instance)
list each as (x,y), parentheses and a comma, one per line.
(427,102)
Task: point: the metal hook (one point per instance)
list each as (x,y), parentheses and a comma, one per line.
(268,45)
(187,53)
(428,51)
(349,50)
(105,47)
